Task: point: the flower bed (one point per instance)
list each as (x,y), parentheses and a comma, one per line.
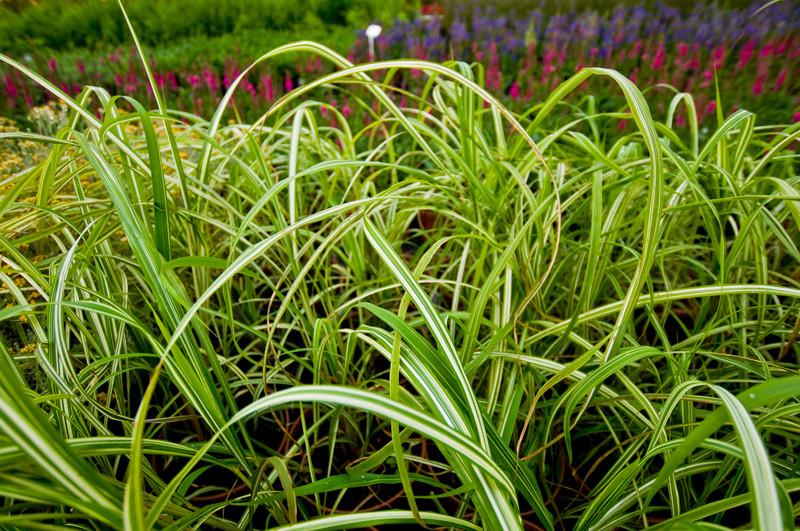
(750,55)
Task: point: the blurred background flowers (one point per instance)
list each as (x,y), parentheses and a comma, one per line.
(749,53)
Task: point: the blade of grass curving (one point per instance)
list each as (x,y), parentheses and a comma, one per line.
(186,366)
(641,115)
(762,496)
(161,217)
(133,511)
(720,135)
(25,424)
(420,421)
(594,378)
(403,275)
(718,507)
(475,425)
(162,109)
(668,296)
(388,517)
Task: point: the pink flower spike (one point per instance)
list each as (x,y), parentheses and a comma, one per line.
(712,106)
(745,53)
(11,89)
(514,91)
(270,89)
(717,55)
(780,81)
(658,60)
(796,117)
(758,86)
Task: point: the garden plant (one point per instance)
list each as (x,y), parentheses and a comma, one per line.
(751,53)
(450,315)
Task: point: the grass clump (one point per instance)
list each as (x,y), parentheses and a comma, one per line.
(453,316)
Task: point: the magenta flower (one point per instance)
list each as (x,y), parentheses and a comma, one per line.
(11,89)
(758,86)
(514,91)
(269,87)
(288,85)
(781,79)
(658,60)
(746,53)
(711,107)
(708,76)
(211,80)
(249,87)
(717,56)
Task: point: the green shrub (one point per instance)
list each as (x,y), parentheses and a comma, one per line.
(61,25)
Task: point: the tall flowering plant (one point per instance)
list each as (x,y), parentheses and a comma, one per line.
(750,54)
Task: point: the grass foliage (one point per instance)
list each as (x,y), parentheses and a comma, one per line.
(453,316)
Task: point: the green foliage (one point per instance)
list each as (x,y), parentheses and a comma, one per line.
(452,314)
(61,25)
